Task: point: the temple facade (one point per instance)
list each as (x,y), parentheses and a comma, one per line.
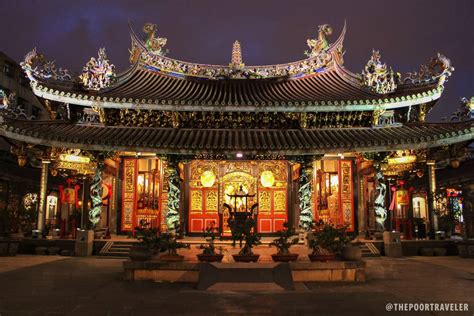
(184,146)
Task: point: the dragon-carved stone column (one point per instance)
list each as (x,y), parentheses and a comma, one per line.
(379,204)
(304,194)
(172,217)
(96,193)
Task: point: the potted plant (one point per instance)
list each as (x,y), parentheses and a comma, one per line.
(327,241)
(246,233)
(148,245)
(170,245)
(446,223)
(283,243)
(209,251)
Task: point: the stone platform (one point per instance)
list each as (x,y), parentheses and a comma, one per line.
(209,275)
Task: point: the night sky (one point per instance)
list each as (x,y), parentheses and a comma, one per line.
(408,33)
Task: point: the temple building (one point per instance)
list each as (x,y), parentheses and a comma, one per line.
(182,146)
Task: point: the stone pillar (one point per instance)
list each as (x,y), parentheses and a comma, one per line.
(431,198)
(42,197)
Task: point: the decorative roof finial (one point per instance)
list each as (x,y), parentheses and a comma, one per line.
(98,73)
(236,60)
(377,77)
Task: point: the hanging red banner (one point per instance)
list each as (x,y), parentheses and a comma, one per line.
(402,197)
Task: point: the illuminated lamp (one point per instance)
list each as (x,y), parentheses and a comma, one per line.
(239,155)
(54,172)
(455,163)
(208,178)
(419,173)
(51,205)
(74,158)
(21,160)
(402,160)
(267,179)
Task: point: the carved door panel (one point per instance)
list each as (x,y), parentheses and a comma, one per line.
(273,211)
(203,209)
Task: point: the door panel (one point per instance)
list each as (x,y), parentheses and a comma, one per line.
(273,210)
(203,205)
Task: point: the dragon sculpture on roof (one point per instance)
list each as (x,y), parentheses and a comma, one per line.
(321,44)
(154,43)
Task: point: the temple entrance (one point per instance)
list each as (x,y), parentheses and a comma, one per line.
(213,183)
(141,193)
(233,183)
(334,192)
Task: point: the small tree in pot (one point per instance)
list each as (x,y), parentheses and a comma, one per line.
(209,251)
(251,238)
(171,246)
(283,243)
(327,241)
(149,244)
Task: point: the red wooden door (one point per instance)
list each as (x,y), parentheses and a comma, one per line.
(203,209)
(273,209)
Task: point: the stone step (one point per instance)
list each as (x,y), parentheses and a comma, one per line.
(119,250)
(120,247)
(113,254)
(369,250)
(271,276)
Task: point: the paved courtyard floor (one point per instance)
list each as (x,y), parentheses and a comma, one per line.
(52,285)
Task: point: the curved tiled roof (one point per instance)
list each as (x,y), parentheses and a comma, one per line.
(151,85)
(193,141)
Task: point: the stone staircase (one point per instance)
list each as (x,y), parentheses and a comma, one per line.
(114,249)
(369,250)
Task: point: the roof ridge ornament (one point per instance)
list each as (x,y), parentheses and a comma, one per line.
(236,60)
(37,66)
(154,43)
(98,73)
(378,77)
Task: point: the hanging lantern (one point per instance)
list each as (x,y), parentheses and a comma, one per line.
(455,163)
(54,172)
(208,178)
(267,179)
(21,160)
(51,205)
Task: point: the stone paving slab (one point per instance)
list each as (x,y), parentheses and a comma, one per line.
(90,286)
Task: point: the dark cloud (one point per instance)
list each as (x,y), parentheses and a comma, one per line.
(407,32)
